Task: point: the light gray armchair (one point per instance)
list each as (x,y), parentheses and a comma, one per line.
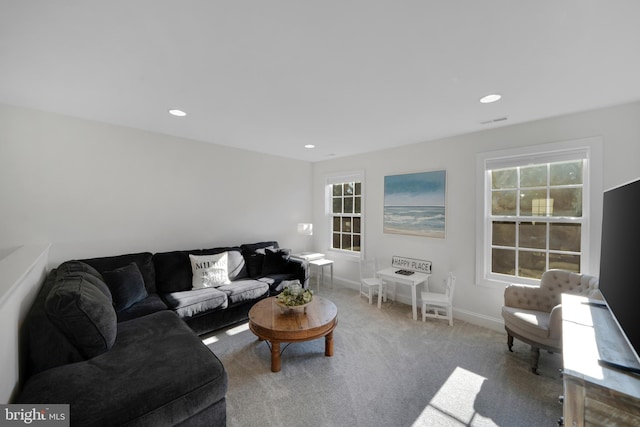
(533,314)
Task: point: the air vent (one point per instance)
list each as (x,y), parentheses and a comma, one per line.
(496,120)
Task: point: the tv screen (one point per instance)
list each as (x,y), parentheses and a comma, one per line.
(620,258)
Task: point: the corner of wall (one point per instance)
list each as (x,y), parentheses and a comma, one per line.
(22,272)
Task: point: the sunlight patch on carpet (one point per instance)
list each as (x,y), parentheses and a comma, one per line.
(216,337)
(236,330)
(454,403)
(210,340)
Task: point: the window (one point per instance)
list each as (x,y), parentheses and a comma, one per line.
(346,209)
(345,212)
(536,218)
(535,212)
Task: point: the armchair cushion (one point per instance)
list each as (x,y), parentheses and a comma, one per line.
(527,322)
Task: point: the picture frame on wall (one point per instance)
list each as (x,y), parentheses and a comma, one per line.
(415,204)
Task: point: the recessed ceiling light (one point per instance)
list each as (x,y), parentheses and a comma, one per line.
(309,146)
(177,113)
(490,98)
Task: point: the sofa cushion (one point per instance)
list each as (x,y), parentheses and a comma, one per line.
(83,313)
(244,290)
(126,285)
(157,373)
(47,345)
(173,269)
(209,271)
(142,259)
(251,248)
(72,267)
(275,261)
(88,273)
(236,266)
(254,265)
(151,304)
(254,255)
(196,301)
(275,281)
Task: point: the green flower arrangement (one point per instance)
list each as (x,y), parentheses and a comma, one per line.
(294,296)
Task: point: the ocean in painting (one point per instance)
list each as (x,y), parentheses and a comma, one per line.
(426,221)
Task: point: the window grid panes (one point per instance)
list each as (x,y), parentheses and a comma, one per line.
(346,212)
(536,218)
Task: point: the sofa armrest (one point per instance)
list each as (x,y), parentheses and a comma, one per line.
(301,269)
(527,297)
(555,322)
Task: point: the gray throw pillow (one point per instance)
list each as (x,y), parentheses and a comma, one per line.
(84,314)
(236,266)
(275,261)
(126,285)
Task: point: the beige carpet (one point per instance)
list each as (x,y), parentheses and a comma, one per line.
(388,370)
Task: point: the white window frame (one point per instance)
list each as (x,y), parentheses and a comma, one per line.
(341,178)
(591,150)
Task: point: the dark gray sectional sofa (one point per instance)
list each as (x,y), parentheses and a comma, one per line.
(117,337)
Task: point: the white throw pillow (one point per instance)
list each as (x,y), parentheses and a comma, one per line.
(209,271)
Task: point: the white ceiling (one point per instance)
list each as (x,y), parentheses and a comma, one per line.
(347,76)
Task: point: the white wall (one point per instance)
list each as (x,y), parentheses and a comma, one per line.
(618,126)
(92,189)
(21,274)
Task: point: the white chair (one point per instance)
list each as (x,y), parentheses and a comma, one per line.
(369,282)
(439,306)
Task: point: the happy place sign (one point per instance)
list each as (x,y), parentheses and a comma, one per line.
(420,265)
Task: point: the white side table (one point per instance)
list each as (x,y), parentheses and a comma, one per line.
(320,265)
(413,280)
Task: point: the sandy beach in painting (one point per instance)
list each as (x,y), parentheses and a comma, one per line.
(436,234)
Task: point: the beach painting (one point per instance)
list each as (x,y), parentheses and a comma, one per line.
(414,204)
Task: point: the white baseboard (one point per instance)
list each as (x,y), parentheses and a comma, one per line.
(479,319)
(488,322)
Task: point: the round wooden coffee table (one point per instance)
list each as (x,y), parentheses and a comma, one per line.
(268,321)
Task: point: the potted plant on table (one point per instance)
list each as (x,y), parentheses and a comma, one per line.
(293,297)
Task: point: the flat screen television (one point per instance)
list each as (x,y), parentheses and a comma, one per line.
(620,260)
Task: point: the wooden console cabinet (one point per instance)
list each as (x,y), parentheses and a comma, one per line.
(596,395)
